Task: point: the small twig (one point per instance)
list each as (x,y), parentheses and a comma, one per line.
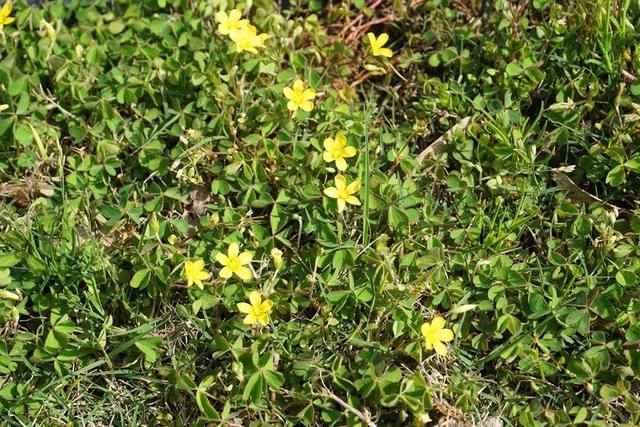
(398,73)
(358,18)
(627,75)
(441,143)
(350,25)
(355,34)
(364,78)
(365,415)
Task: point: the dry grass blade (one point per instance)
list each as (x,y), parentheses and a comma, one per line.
(578,195)
(25,191)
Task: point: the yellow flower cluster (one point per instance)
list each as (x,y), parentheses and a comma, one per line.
(234,263)
(240,31)
(336,150)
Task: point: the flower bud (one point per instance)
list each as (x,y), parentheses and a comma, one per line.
(276,254)
(50,31)
(10,295)
(153,224)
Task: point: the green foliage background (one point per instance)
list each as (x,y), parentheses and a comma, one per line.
(140,112)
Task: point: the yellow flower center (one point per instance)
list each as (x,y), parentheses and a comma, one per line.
(343,194)
(233,263)
(298,96)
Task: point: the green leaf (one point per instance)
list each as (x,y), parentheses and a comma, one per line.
(17,87)
(205,406)
(633,164)
(273,378)
(185,383)
(616,176)
(253,388)
(514,69)
(149,347)
(141,278)
(626,277)
(608,392)
(633,333)
(9,259)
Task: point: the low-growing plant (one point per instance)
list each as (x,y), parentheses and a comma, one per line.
(383,213)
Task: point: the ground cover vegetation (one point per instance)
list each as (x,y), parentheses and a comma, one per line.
(319,213)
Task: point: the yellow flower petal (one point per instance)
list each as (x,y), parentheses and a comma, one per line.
(425,329)
(244,308)
(445,335)
(244,273)
(235,15)
(330,144)
(222,258)
(385,52)
(307,106)
(201,275)
(250,319)
(234,250)
(353,200)
(222,17)
(353,187)
(349,151)
(309,94)
(341,182)
(226,273)
(263,319)
(245,257)
(440,348)
(288,92)
(266,305)
(331,192)
(341,205)
(372,38)
(341,164)
(327,157)
(428,345)
(255,298)
(292,106)
(438,322)
(382,39)
(298,85)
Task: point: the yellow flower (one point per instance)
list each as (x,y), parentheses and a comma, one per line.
(299,97)
(336,150)
(228,23)
(233,263)
(247,38)
(5,19)
(256,312)
(276,255)
(343,192)
(195,273)
(434,334)
(377,43)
